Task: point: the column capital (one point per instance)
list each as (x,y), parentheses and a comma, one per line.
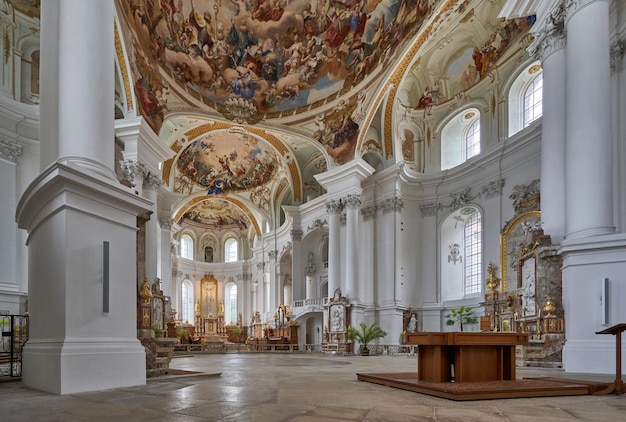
(132,171)
(394,204)
(353,201)
(166,223)
(260,266)
(10,151)
(430,209)
(296,235)
(552,37)
(334,206)
(617,53)
(573,6)
(368,212)
(152,181)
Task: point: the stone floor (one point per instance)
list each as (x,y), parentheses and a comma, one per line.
(294,387)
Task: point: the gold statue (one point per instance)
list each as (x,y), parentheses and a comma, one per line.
(492,281)
(549,306)
(144,291)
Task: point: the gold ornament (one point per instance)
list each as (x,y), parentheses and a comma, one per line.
(492,281)
(549,306)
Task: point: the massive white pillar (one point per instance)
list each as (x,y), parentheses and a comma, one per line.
(81,221)
(588,164)
(165,252)
(591,251)
(298,286)
(550,49)
(366,246)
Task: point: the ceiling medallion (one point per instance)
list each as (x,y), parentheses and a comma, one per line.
(240,110)
(534,69)
(469,115)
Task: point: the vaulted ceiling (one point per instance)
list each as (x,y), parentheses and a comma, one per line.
(255,97)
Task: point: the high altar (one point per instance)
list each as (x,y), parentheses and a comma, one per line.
(528,297)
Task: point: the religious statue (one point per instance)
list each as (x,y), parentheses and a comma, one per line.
(412,327)
(144,291)
(310,265)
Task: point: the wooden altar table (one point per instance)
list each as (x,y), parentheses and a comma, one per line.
(476,356)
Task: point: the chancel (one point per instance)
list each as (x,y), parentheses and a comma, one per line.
(214,175)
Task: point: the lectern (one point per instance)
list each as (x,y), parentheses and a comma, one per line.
(616,386)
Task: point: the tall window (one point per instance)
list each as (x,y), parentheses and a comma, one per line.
(472,139)
(533,100)
(460,138)
(186,246)
(230,314)
(526,98)
(186,311)
(230,250)
(473,254)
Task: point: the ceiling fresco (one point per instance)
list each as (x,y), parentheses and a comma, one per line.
(223,162)
(261,59)
(216,213)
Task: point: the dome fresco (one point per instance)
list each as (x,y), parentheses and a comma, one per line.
(226,161)
(216,213)
(253,59)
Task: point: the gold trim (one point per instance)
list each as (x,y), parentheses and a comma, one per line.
(167,168)
(503,237)
(123,69)
(400,72)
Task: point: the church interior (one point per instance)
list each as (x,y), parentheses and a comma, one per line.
(273,174)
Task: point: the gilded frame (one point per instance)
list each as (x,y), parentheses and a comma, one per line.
(504,245)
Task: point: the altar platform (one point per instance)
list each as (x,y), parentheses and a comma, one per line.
(482,390)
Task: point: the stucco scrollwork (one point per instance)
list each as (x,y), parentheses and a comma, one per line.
(10,151)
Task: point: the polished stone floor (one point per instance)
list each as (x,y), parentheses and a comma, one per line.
(294,387)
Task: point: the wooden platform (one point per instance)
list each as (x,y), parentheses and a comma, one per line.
(504,389)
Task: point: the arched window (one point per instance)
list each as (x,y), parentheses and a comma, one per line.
(460,138)
(230,250)
(186,308)
(461,254)
(230,314)
(472,232)
(186,246)
(526,98)
(533,100)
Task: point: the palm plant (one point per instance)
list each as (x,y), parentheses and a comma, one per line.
(464,316)
(365,335)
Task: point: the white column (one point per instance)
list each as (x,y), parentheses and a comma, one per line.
(164,249)
(151,184)
(366,276)
(9,287)
(353,205)
(334,208)
(588,164)
(78,339)
(298,285)
(254,289)
(550,48)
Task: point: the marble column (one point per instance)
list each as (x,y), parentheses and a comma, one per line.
(298,285)
(334,208)
(589,159)
(353,206)
(81,221)
(549,47)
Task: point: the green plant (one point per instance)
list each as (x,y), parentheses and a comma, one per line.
(156,329)
(365,334)
(463,315)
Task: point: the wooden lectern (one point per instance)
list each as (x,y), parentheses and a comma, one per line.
(616,386)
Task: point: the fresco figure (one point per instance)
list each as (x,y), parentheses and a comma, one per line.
(240,38)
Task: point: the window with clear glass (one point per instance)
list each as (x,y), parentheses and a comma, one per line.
(533,100)
(473,254)
(472,139)
(230,314)
(230,250)
(460,138)
(187,308)
(186,246)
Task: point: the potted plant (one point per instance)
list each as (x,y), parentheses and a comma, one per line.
(365,335)
(463,315)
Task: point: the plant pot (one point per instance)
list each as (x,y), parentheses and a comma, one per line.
(365,351)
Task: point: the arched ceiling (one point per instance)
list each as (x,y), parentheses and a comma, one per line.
(255,97)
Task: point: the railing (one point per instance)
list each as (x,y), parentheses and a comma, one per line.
(246,348)
(320,301)
(14,334)
(378,350)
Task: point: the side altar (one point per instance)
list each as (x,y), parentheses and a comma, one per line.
(528,297)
